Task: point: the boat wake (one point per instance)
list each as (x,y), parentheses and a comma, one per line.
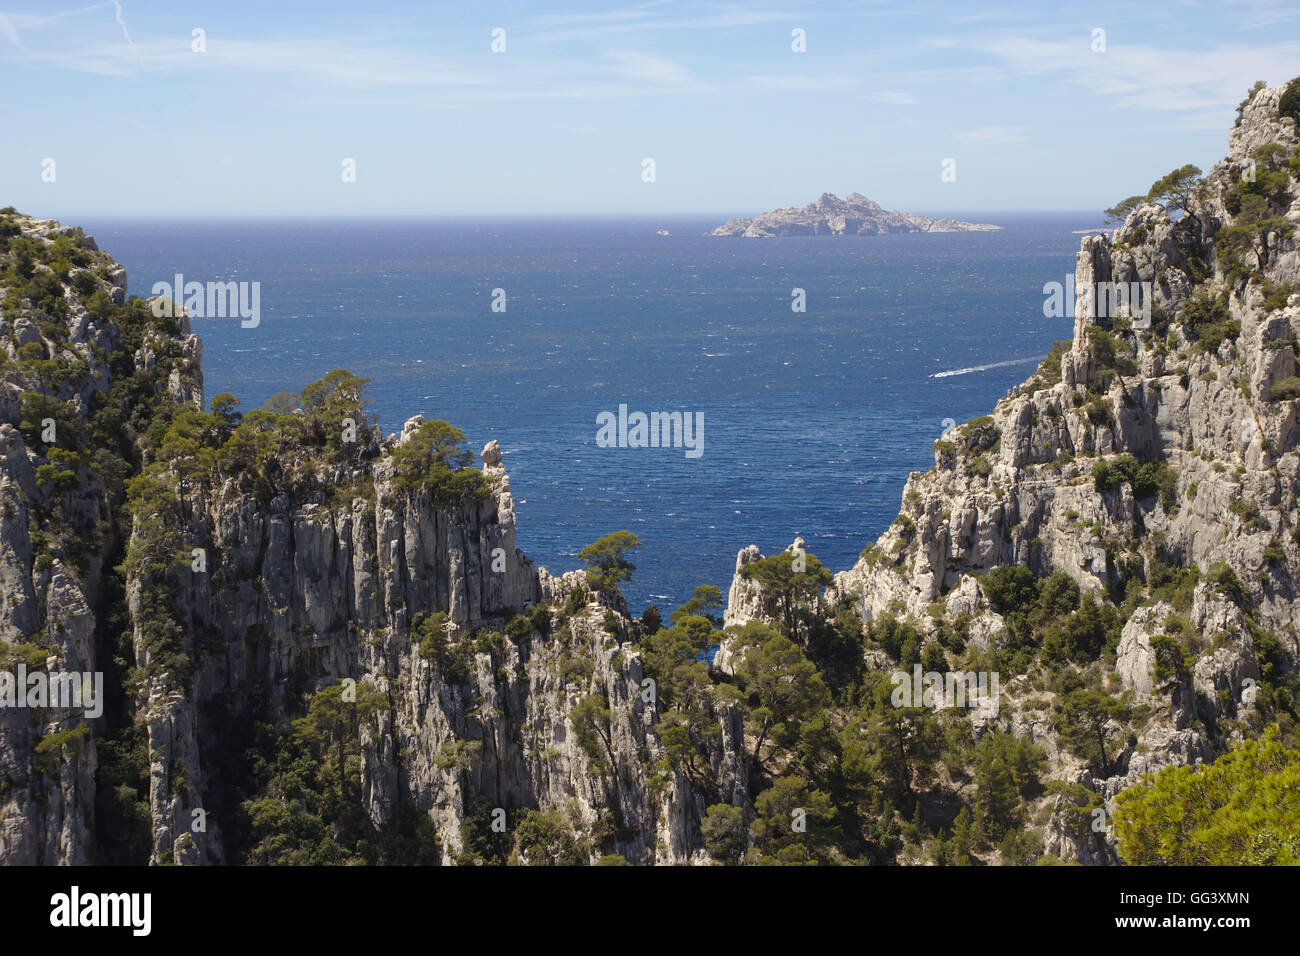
(984,368)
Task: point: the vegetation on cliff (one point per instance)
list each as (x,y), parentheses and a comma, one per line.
(1126,574)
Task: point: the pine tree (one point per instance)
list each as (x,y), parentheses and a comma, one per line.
(963,838)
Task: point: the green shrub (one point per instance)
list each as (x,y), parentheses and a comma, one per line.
(1227,583)
(1147,480)
(1275,297)
(979,434)
(1250,95)
(871,554)
(1285,390)
(1255,219)
(1109,476)
(1206,322)
(1050,370)
(1059,594)
(49,750)
(1083,635)
(431,634)
(33,656)
(1270,182)
(432,460)
(519,627)
(1248,511)
(1106,350)
(906,525)
(1289,103)
(576,601)
(1100,410)
(1172,662)
(1010,588)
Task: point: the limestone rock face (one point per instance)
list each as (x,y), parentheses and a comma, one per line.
(1035,505)
(307,596)
(279,589)
(1027,485)
(746,601)
(1260,125)
(744,598)
(1136,659)
(45,807)
(855,215)
(48,601)
(276,591)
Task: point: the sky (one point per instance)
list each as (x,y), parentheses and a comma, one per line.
(236,108)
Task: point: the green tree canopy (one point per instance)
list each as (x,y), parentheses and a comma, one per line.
(1289,103)
(591,720)
(433,460)
(334,717)
(724,833)
(1240,810)
(903,743)
(327,403)
(795,823)
(1177,189)
(1248,235)
(224,407)
(547,840)
(782,688)
(1117,213)
(607,562)
(707,598)
(1080,719)
(788,580)
(1010,588)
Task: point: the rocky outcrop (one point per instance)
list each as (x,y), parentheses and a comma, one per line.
(299,595)
(1015,488)
(56,535)
(47,762)
(855,215)
(746,601)
(1033,483)
(247,594)
(249,589)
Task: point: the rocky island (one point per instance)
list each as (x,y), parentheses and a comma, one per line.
(320,643)
(855,215)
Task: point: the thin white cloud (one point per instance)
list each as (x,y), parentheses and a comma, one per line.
(588,26)
(361,70)
(467,98)
(13,24)
(648,68)
(990,135)
(605,16)
(1252,14)
(802,83)
(348,64)
(893,98)
(1140,76)
(120,22)
(985,17)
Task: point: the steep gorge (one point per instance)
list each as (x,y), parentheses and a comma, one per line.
(229,573)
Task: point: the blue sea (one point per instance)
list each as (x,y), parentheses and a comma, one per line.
(812,421)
